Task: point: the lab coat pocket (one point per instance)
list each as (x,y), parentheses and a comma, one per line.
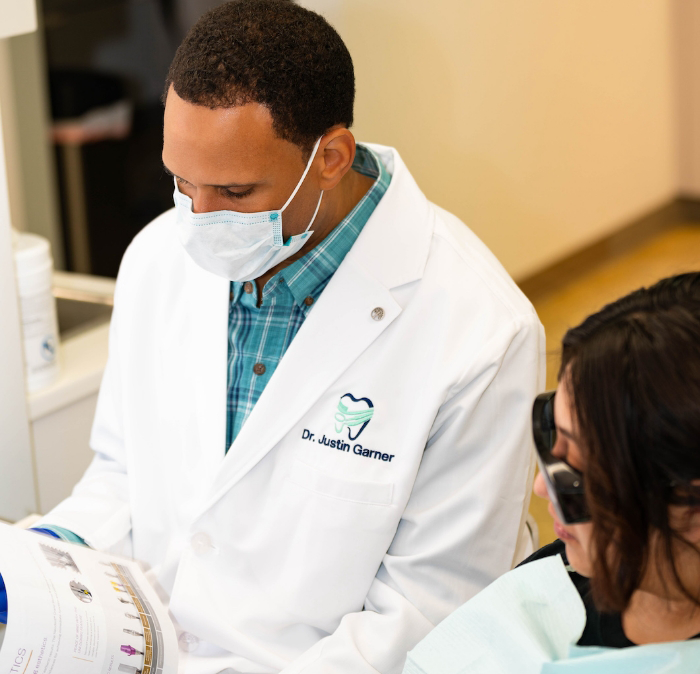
(374,493)
(345,526)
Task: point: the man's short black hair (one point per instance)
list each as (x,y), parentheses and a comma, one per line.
(271,52)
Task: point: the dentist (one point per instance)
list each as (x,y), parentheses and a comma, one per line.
(304,298)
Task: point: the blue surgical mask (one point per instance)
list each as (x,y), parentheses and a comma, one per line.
(239,246)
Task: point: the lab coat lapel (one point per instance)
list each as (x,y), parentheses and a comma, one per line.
(325,347)
(318,355)
(207,308)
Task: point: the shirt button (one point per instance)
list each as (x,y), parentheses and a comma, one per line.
(201,544)
(248,287)
(309,301)
(188,642)
(377,313)
(259,368)
(230,296)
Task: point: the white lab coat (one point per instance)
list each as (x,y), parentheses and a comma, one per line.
(287,553)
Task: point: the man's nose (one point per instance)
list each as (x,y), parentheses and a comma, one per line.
(206,201)
(539,487)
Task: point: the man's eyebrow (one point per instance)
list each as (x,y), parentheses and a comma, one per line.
(170,173)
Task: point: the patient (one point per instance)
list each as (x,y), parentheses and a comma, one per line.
(618,447)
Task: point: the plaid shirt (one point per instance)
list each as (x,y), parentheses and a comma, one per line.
(258,337)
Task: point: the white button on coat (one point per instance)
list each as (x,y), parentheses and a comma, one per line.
(188,642)
(201,544)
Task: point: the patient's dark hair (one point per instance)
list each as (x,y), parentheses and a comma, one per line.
(633,371)
(271,52)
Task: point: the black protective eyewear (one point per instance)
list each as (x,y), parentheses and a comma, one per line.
(564,483)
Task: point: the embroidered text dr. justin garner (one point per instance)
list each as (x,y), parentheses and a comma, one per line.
(357,449)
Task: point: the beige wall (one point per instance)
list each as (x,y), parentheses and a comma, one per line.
(10,121)
(543,124)
(687,42)
(34,204)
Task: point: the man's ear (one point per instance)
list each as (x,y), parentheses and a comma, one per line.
(336,152)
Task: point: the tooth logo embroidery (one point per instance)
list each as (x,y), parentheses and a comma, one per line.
(353,412)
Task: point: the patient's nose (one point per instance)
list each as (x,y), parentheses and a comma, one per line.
(540,488)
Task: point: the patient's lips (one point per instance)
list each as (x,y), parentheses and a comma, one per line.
(563,533)
(559,529)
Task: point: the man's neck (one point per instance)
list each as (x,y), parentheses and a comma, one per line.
(336,205)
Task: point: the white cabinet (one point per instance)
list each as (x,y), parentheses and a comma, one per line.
(61,417)
(44,438)
(17,488)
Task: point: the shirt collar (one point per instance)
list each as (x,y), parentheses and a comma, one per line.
(306,274)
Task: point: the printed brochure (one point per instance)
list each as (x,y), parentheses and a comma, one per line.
(73,610)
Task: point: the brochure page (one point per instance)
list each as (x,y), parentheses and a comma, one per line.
(73,610)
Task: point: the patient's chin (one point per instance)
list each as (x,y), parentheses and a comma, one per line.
(577,553)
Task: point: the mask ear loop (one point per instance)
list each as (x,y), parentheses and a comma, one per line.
(318,205)
(300,183)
